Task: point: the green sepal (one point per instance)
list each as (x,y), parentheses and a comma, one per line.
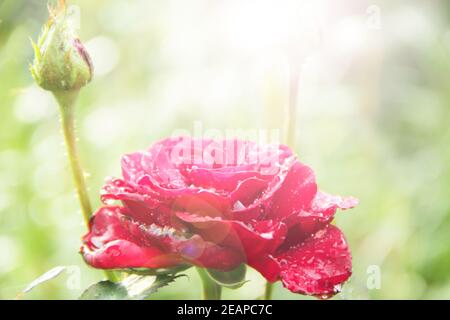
(233,279)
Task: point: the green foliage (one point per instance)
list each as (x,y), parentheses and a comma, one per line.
(131,288)
(49,275)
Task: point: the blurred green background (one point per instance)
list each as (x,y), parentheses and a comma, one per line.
(373,121)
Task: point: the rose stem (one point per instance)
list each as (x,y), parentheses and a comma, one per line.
(268,292)
(211,290)
(293,105)
(66,101)
(294,78)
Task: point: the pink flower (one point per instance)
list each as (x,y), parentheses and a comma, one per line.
(217,204)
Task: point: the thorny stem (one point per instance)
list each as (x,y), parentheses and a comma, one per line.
(66,101)
(211,290)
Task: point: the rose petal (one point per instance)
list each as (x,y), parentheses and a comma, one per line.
(319,265)
(157,163)
(261,206)
(201,202)
(175,171)
(320,214)
(122,254)
(296,192)
(194,249)
(221,179)
(247,191)
(150,206)
(268,266)
(324,202)
(141,202)
(115,241)
(254,242)
(209,255)
(109,245)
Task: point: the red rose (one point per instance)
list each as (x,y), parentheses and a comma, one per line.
(217,204)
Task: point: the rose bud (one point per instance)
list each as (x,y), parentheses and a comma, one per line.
(61,62)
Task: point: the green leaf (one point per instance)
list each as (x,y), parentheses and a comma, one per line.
(233,279)
(133,287)
(49,275)
(105,290)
